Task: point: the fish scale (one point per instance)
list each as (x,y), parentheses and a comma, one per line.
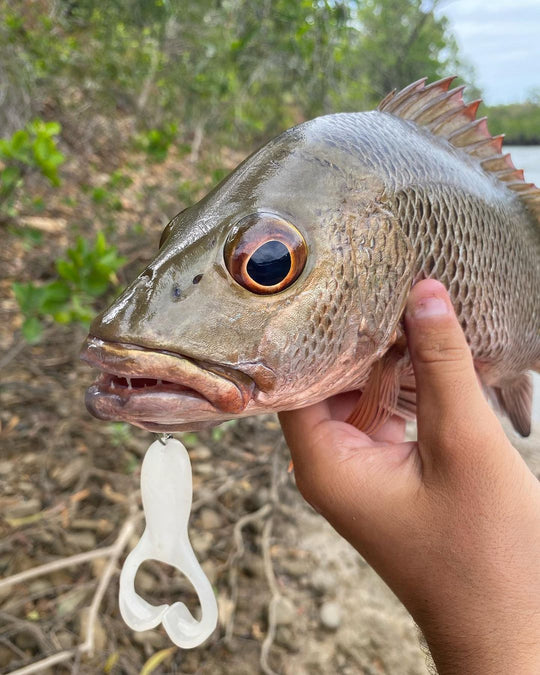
(366,204)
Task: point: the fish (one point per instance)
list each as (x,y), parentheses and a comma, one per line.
(287,283)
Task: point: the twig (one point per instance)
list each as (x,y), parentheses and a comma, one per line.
(113,553)
(269,573)
(236,555)
(55,565)
(29,627)
(14,351)
(40,666)
(117,549)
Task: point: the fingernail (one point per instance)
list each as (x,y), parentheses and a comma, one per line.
(428,307)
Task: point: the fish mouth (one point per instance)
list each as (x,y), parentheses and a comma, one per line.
(160,390)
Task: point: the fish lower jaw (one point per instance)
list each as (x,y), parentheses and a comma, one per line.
(164,406)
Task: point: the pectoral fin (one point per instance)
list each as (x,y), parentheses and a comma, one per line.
(379,399)
(515,399)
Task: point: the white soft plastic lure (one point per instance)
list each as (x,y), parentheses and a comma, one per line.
(166,488)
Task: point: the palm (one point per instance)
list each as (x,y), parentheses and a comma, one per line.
(328,417)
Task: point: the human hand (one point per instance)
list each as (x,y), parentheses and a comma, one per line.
(450,522)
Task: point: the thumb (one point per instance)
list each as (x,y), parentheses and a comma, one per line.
(450,401)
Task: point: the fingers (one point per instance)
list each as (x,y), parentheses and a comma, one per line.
(450,403)
(340,470)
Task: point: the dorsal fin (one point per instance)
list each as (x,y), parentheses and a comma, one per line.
(443,111)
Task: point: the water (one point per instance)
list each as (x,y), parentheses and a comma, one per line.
(528,158)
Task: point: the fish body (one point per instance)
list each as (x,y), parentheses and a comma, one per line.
(287,283)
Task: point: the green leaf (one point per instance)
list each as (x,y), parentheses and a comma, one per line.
(32,330)
(56,294)
(9,176)
(29,296)
(67,270)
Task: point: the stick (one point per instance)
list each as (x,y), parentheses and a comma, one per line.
(55,565)
(39,666)
(117,549)
(113,552)
(269,571)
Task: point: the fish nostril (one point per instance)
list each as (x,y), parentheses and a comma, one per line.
(148,274)
(176,292)
(197,278)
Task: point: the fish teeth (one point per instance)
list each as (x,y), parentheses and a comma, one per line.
(129,382)
(159,382)
(112,384)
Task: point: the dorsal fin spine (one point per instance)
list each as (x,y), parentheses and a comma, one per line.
(469,133)
(434,108)
(443,112)
(484,148)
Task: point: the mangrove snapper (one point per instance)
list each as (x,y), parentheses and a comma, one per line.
(287,283)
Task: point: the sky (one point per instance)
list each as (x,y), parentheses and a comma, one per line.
(501,39)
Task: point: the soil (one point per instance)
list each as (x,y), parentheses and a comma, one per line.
(68,484)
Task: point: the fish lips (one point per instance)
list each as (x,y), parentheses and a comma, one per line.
(161,391)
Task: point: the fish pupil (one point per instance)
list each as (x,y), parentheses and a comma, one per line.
(270,263)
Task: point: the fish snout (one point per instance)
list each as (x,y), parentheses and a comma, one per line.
(141,385)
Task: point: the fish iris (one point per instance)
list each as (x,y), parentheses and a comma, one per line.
(269,264)
(265,253)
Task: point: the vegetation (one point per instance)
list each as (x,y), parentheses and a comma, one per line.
(520,122)
(32,149)
(86,273)
(184,75)
(207,67)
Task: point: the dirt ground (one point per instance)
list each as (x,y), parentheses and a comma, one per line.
(294,598)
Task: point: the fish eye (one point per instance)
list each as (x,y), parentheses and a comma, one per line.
(264,253)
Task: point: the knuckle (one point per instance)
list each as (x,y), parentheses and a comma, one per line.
(442,351)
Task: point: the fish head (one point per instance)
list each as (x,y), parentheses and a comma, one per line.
(266,295)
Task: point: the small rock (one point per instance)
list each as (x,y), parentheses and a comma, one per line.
(200,453)
(6,468)
(209,519)
(40,587)
(323,581)
(65,639)
(81,540)
(256,499)
(70,601)
(252,565)
(330,615)
(285,611)
(25,487)
(25,640)
(205,469)
(286,637)
(295,567)
(23,508)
